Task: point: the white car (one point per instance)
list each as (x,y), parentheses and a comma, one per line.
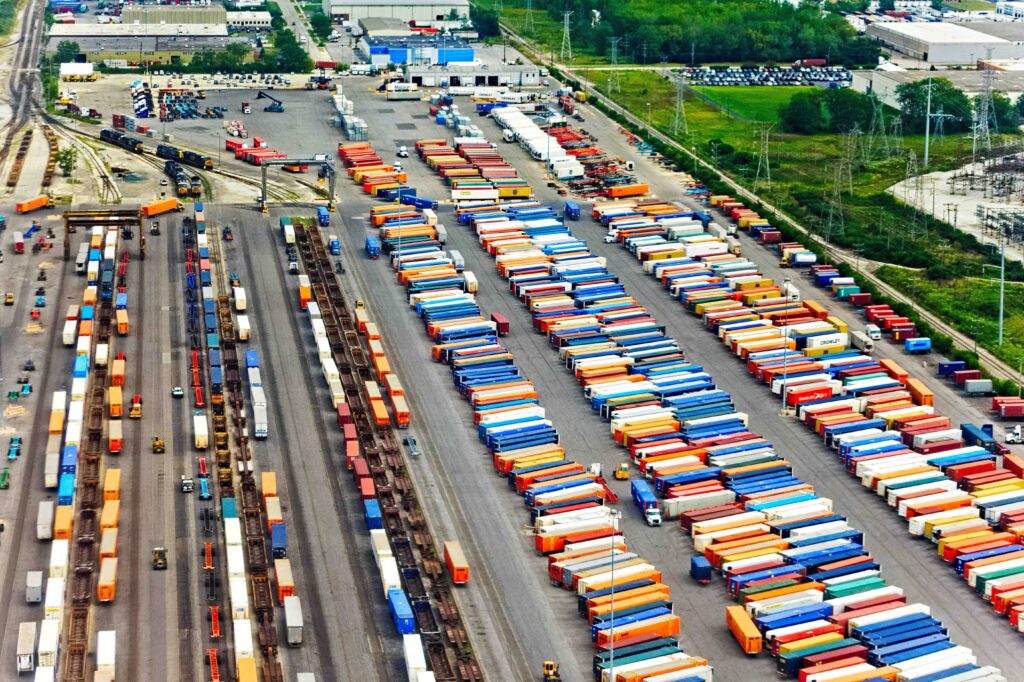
(610,238)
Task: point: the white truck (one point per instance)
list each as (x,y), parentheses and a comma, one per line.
(293,620)
(244,330)
(106,648)
(44,520)
(33,587)
(201,431)
(27,647)
(240,301)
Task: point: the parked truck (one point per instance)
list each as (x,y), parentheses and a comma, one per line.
(26,647)
(33,204)
(44,520)
(335,244)
(645,500)
(162,206)
(323,216)
(33,587)
(293,620)
(202,433)
(372,247)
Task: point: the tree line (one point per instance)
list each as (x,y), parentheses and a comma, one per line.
(704,31)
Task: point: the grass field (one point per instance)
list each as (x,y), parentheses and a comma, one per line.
(758,103)
(970,6)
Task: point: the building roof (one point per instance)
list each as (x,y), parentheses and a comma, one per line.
(971,82)
(476,67)
(398,42)
(248,16)
(372,25)
(935,32)
(151,43)
(114,31)
(400,3)
(1007,30)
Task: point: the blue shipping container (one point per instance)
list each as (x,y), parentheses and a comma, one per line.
(371,512)
(279,540)
(66,490)
(401,612)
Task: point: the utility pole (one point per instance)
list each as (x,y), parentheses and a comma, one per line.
(614,85)
(566,37)
(928,121)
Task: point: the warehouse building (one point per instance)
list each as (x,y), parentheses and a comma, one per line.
(944,43)
(119,53)
(435,76)
(249,21)
(114,32)
(173,14)
(972,83)
(383,27)
(414,50)
(406,10)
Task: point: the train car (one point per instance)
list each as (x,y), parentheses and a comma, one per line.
(197,160)
(196,186)
(166,151)
(121,140)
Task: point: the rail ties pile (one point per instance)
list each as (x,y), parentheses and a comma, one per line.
(694,449)
(405,553)
(566,500)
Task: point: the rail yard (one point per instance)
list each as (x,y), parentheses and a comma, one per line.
(517,402)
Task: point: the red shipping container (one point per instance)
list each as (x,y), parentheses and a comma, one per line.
(960,376)
(360,469)
(366,488)
(344,415)
(351,453)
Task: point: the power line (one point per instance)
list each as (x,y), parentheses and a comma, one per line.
(566,37)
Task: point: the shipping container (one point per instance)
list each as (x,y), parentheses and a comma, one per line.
(455,559)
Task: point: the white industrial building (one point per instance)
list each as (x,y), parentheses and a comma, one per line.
(406,10)
(1011,9)
(941,43)
(477,74)
(249,21)
(972,83)
(127,31)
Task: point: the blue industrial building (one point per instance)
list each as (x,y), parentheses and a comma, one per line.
(416,50)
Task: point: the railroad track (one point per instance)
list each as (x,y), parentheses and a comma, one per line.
(24,78)
(445,638)
(108,190)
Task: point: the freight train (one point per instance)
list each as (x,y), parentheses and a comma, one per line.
(196,185)
(166,151)
(177,175)
(121,140)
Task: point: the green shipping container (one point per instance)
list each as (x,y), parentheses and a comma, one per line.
(979,584)
(854,587)
(749,592)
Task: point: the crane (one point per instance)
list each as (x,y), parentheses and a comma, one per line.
(275,106)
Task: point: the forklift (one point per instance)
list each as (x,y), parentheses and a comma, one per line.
(158,445)
(622,472)
(276,106)
(551,673)
(187,484)
(159,558)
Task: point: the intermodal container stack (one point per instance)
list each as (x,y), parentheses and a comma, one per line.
(742,503)
(572,526)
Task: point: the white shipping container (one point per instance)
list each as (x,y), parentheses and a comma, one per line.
(390,578)
(49,643)
(44,520)
(73,434)
(244,330)
(51,474)
(236,562)
(337,392)
(69,332)
(102,354)
(243,638)
(106,645)
(239,598)
(59,551)
(323,348)
(78,386)
(53,605)
(240,301)
(83,346)
(415,658)
(258,395)
(233,532)
(380,545)
(319,330)
(293,620)
(313,308)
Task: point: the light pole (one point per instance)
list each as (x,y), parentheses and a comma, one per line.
(615,515)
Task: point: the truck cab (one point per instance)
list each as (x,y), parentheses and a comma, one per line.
(187,485)
(335,244)
(135,412)
(646,501)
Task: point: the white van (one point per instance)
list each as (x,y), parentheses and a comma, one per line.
(874,332)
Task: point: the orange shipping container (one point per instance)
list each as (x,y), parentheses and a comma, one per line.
(376,348)
(106,590)
(122,321)
(921,394)
(380,413)
(56,423)
(63,523)
(32,204)
(111,485)
(283,576)
(894,370)
(662,626)
(268,484)
(401,409)
(455,559)
(109,516)
(162,206)
(85,328)
(115,400)
(383,367)
(743,629)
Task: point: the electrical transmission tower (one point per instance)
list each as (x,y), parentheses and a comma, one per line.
(499,7)
(985,122)
(528,23)
(877,142)
(679,115)
(913,192)
(835,224)
(764,166)
(613,75)
(852,142)
(566,37)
